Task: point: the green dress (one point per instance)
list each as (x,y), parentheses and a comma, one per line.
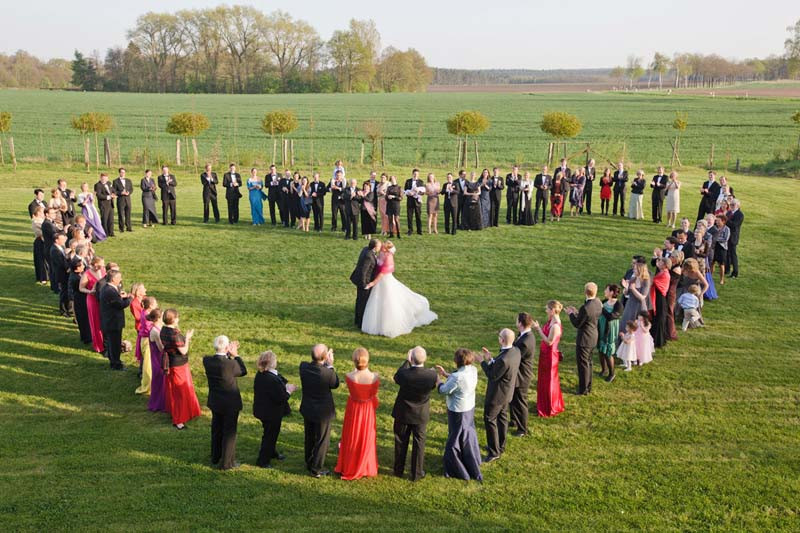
(608,328)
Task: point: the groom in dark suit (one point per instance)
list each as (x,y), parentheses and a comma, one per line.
(364,273)
(526,343)
(585,321)
(232,181)
(317,378)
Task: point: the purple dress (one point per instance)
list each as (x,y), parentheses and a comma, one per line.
(86,201)
(158,388)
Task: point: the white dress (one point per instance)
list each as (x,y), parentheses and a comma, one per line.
(627,349)
(393,309)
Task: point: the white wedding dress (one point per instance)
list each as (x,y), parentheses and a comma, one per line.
(393,309)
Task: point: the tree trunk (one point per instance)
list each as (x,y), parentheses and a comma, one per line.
(362,152)
(659,81)
(291,151)
(458,154)
(550,154)
(14,155)
(383,154)
(711,158)
(196,155)
(178,152)
(2,155)
(96,151)
(274,148)
(477,158)
(86,160)
(106,152)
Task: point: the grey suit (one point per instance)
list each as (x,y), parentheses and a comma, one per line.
(502,374)
(585,321)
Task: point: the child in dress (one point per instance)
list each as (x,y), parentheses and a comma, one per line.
(643,339)
(690,303)
(627,349)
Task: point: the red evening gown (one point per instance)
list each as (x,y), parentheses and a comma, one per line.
(549,401)
(93,309)
(358,453)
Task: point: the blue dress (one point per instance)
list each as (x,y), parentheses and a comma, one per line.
(256,200)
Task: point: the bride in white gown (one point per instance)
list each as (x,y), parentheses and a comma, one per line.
(393,309)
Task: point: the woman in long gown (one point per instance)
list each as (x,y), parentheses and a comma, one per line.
(143,345)
(557,197)
(485,198)
(472,211)
(676,260)
(549,401)
(577,185)
(79,300)
(255,186)
(636,290)
(381,190)
(462,453)
(673,191)
(658,301)
(86,202)
(158,383)
(525,197)
(358,454)
(89,279)
(393,309)
(138,292)
(181,399)
(608,331)
(369,217)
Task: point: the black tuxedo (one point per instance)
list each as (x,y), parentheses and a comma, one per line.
(270,405)
(167,185)
(66,195)
(363,274)
(708,200)
(272,182)
(450,206)
(687,248)
(462,201)
(591,175)
(225,402)
(337,208)
(112,320)
(566,172)
(284,203)
(585,321)
(318,411)
(659,185)
(542,183)
(411,413)
(512,197)
(526,344)
(735,225)
(105,201)
(149,197)
(123,203)
(495,198)
(59,274)
(620,179)
(209,194)
(413,205)
(232,183)
(352,211)
(34,204)
(49,231)
(502,375)
(318,203)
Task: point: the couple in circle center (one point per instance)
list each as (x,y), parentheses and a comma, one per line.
(384,306)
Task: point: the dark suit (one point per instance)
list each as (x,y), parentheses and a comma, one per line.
(270,405)
(66,195)
(502,374)
(225,402)
(167,185)
(687,248)
(512,198)
(59,274)
(34,204)
(708,200)
(586,324)
(735,225)
(318,203)
(450,206)
(413,205)
(337,209)
(620,180)
(318,411)
(591,175)
(352,211)
(272,181)
(496,197)
(462,202)
(232,184)
(411,413)
(209,194)
(659,185)
(149,198)
(49,231)
(284,200)
(112,321)
(365,272)
(103,192)
(526,344)
(123,203)
(542,183)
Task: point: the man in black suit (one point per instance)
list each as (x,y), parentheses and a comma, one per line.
(462,198)
(272,181)
(502,374)
(224,399)
(709,192)
(232,181)
(38,201)
(620,180)
(49,230)
(542,183)
(566,172)
(105,201)
(113,301)
(591,175)
(318,191)
(670,244)
(450,193)
(585,321)
(495,196)
(512,195)
(414,191)
(659,186)
(411,411)
(69,198)
(317,378)
(149,198)
(209,181)
(271,393)
(684,245)
(351,200)
(526,344)
(284,205)
(123,188)
(167,184)
(363,274)
(59,271)
(336,187)
(734,222)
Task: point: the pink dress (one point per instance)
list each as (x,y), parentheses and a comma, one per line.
(644,344)
(93,309)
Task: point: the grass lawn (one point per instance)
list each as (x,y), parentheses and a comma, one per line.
(703,439)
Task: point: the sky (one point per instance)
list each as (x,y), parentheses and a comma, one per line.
(531,34)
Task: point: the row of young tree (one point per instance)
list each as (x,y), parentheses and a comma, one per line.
(239,49)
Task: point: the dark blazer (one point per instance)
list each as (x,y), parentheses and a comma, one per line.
(112,308)
(710,198)
(209,185)
(119,188)
(274,191)
(352,202)
(619,180)
(412,405)
(231,192)
(410,182)
(103,193)
(566,173)
(60,265)
(735,224)
(497,188)
(34,204)
(452,196)
(687,248)
(526,344)
(223,391)
(317,382)
(591,174)
(542,180)
(502,374)
(270,398)
(49,231)
(586,322)
(512,185)
(167,189)
(365,268)
(319,188)
(659,183)
(148,189)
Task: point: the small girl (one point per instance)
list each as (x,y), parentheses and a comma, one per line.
(690,303)
(643,339)
(627,349)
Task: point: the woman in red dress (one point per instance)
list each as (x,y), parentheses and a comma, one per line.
(549,401)
(138,292)
(358,454)
(181,399)
(605,191)
(88,281)
(557,197)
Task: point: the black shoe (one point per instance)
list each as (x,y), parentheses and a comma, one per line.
(320,474)
(520,434)
(266,466)
(409,232)
(610,378)
(490,458)
(419,233)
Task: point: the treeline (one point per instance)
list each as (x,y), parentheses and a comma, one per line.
(239,49)
(452,76)
(24,71)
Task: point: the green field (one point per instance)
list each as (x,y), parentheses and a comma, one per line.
(703,439)
(750,130)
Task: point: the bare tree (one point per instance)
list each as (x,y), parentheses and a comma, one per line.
(289,42)
(160,38)
(241,32)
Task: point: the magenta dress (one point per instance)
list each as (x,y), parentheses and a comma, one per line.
(158,388)
(93,309)
(549,401)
